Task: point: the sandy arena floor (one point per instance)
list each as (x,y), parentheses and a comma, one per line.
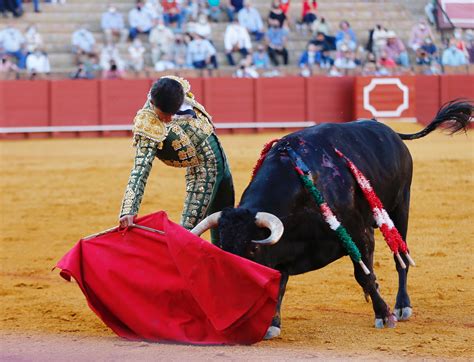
(53,192)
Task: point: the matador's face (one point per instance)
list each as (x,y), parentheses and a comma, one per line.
(164,117)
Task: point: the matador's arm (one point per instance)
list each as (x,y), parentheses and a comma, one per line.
(145,154)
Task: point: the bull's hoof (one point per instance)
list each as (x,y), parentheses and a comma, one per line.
(272,332)
(389,322)
(403,314)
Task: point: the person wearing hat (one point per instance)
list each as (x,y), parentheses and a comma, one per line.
(173,127)
(395,49)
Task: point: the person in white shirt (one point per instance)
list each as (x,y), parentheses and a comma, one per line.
(33,39)
(112,25)
(161,40)
(140,20)
(83,43)
(37,63)
(201,54)
(236,39)
(250,18)
(109,55)
(136,52)
(154,8)
(12,41)
(202,27)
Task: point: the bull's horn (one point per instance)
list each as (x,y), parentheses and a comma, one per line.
(208,223)
(270,221)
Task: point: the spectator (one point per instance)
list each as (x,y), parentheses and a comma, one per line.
(214,10)
(83,43)
(233,7)
(136,54)
(384,61)
(469,35)
(8,69)
(245,69)
(179,52)
(10,6)
(201,54)
(285,6)
(419,33)
(154,8)
(110,55)
(370,69)
(345,59)
(395,50)
(33,39)
(460,43)
(12,41)
(309,58)
(202,27)
(379,39)
(161,40)
(325,41)
(429,47)
(81,72)
(172,14)
(165,63)
(334,72)
(113,72)
(452,56)
(37,63)
(236,39)
(113,25)
(250,18)
(276,40)
(320,26)
(277,14)
(190,10)
(423,57)
(346,36)
(430,9)
(308,14)
(140,20)
(260,58)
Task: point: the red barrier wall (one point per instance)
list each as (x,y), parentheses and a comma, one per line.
(319,99)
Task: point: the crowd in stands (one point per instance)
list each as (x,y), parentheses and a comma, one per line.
(164,35)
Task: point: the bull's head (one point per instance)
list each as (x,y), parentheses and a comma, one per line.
(238,229)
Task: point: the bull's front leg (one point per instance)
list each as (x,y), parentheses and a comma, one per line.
(383,316)
(275,328)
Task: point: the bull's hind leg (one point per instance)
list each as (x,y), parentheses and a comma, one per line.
(399,216)
(383,316)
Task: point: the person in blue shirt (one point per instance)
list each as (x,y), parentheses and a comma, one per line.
(346,35)
(452,56)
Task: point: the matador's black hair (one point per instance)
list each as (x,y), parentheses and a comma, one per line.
(167,94)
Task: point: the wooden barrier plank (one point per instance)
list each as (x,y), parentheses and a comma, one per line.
(229,99)
(25,103)
(427,97)
(330,99)
(456,86)
(281,99)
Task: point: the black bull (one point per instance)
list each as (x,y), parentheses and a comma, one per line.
(307,242)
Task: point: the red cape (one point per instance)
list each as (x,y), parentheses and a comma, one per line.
(172,287)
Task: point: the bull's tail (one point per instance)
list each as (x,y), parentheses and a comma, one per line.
(455,116)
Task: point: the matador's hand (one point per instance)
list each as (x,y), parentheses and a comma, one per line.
(126,221)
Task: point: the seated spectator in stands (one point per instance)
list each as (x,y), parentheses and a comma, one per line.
(10,6)
(250,18)
(37,63)
(346,36)
(345,59)
(214,10)
(13,41)
(202,27)
(161,41)
(8,69)
(140,20)
(429,47)
(423,57)
(395,50)
(469,36)
(136,55)
(324,41)
(112,71)
(189,10)
(83,43)
(233,7)
(310,57)
(320,26)
(113,25)
(245,69)
(277,38)
(384,61)
(155,9)
(172,14)
(81,72)
(452,56)
(236,39)
(458,34)
(179,52)
(33,39)
(370,69)
(260,58)
(379,39)
(308,14)
(334,72)
(165,63)
(419,33)
(109,55)
(277,14)
(201,54)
